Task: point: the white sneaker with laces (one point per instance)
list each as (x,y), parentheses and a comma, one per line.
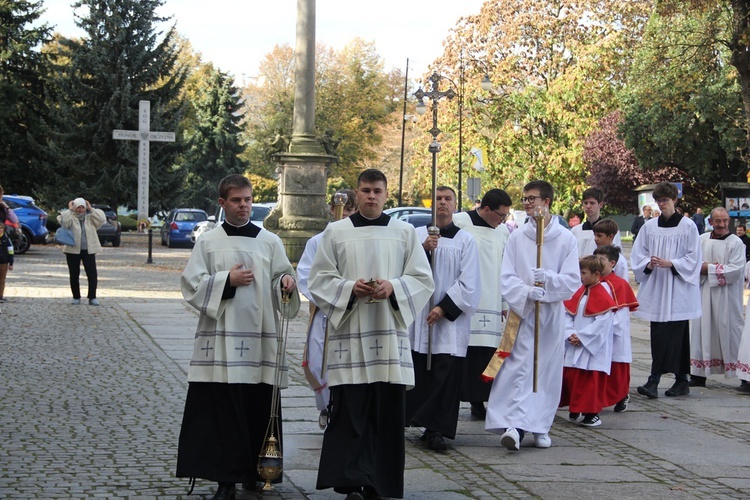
(542,440)
(511,439)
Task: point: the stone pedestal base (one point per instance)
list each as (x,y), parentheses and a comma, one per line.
(302,210)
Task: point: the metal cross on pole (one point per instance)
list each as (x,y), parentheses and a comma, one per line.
(434,95)
(144,136)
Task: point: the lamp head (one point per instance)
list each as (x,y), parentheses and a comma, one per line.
(421,107)
(486,83)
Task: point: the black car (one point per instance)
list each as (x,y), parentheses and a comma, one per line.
(111,230)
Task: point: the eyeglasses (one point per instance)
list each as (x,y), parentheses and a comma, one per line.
(501,215)
(530,199)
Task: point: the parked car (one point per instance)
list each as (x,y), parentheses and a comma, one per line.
(418,220)
(111,230)
(403,212)
(179,224)
(258,215)
(33,221)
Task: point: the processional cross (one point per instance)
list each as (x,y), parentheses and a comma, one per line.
(144,136)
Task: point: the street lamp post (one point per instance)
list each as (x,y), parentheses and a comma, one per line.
(403,136)
(486,85)
(435,94)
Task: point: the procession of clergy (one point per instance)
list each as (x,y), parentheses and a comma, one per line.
(407,323)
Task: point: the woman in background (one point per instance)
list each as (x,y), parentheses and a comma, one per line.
(83,221)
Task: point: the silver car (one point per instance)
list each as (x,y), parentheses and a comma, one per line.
(260,212)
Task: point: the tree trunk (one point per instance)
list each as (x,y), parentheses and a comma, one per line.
(741,56)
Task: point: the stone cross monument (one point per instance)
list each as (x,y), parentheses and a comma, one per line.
(301,211)
(144,136)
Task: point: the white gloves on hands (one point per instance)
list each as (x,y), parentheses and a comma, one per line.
(536,293)
(539,275)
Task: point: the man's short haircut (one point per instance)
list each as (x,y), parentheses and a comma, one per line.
(447,188)
(351,199)
(494,198)
(592,263)
(372,175)
(545,189)
(665,190)
(595,193)
(606,226)
(721,209)
(233,181)
(744,227)
(611,252)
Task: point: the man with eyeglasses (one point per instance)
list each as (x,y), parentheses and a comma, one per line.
(486,224)
(514,408)
(593,201)
(666,261)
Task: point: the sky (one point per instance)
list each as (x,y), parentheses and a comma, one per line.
(236,34)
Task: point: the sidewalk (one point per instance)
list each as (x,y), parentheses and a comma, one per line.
(92,398)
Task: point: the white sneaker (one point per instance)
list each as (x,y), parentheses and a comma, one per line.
(542,440)
(511,439)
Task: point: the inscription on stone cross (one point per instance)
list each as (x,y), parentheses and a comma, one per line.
(144,136)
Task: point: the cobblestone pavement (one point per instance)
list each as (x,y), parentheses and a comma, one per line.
(91,402)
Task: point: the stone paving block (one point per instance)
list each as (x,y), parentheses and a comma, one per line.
(598,490)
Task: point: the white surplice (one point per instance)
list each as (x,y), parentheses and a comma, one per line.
(715,336)
(369,342)
(487,322)
(455,268)
(621,268)
(512,401)
(238,338)
(596,336)
(317,327)
(662,295)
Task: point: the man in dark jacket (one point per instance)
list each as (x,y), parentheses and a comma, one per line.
(640,220)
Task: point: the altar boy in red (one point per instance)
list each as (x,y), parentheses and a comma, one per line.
(588,350)
(618,384)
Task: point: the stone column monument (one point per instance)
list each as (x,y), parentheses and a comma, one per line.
(302,211)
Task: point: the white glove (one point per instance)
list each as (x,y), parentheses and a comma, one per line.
(539,275)
(536,293)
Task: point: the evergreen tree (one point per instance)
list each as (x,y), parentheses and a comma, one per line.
(100,80)
(213,145)
(22,109)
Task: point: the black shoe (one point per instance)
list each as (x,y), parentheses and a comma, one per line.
(679,388)
(478,410)
(225,492)
(436,442)
(370,494)
(355,495)
(252,486)
(649,389)
(425,435)
(744,388)
(697,382)
(591,420)
(622,405)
